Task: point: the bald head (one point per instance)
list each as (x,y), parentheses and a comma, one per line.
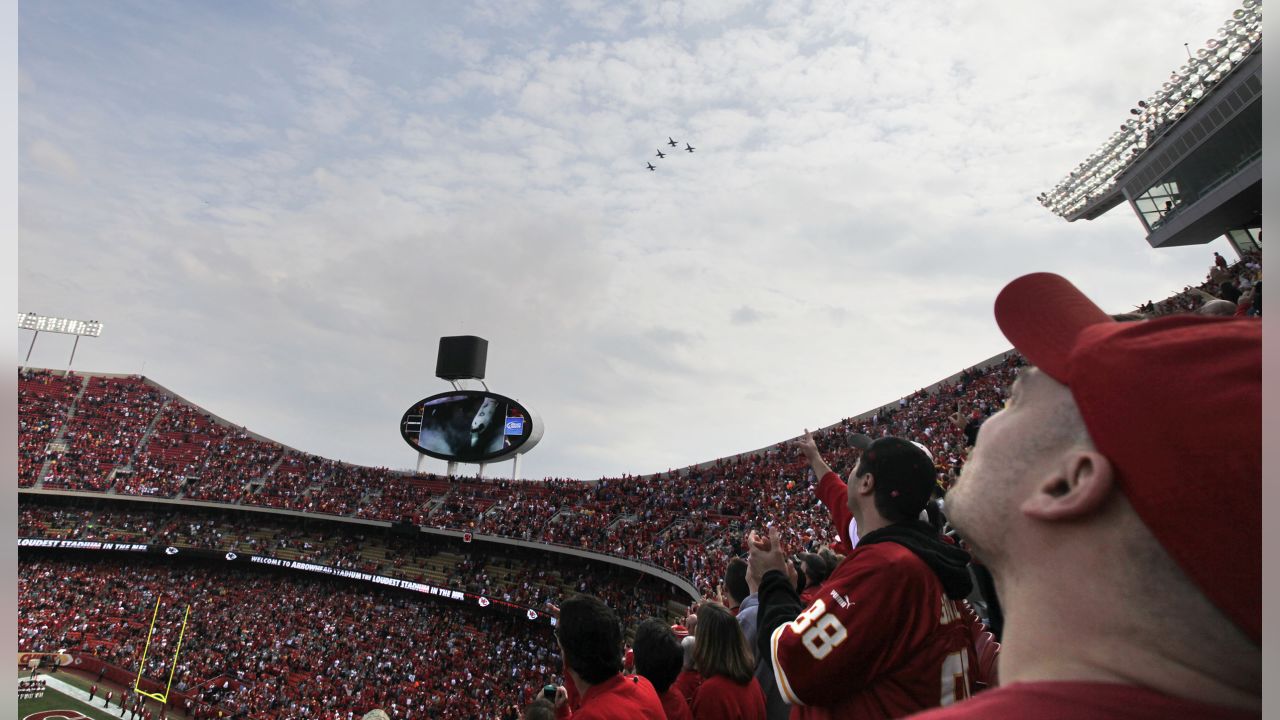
(1223,308)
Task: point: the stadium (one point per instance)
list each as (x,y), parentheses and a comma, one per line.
(193,568)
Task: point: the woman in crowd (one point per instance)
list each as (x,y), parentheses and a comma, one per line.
(729,690)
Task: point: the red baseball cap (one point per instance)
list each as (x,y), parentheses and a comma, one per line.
(1175,404)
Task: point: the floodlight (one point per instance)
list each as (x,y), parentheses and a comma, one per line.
(45,323)
(65,326)
(1231,45)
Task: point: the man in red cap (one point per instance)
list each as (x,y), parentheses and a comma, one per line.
(1117,500)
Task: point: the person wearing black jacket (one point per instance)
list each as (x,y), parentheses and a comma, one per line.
(886,627)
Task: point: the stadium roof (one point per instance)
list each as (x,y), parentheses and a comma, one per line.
(1092,188)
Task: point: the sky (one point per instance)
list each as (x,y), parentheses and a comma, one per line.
(277,209)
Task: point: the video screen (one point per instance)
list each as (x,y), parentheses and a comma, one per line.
(469,427)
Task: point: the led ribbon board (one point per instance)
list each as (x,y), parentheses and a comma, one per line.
(443,593)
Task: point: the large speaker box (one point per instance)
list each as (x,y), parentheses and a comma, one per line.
(462,357)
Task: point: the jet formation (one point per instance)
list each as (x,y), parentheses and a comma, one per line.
(673,143)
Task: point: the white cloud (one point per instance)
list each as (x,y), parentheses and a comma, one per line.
(286,239)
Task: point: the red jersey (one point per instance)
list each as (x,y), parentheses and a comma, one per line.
(629,697)
(720,698)
(882,640)
(687,683)
(1078,700)
(833,492)
(676,707)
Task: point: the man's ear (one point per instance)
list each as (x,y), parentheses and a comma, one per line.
(1077,487)
(866,484)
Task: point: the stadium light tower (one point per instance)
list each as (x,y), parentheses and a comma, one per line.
(1188,158)
(65,326)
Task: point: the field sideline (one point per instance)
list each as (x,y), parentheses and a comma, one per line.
(60,695)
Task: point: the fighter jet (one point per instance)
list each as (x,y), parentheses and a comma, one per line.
(650,166)
(671,142)
(661,154)
(689,147)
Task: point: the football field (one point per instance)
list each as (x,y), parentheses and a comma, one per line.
(57,706)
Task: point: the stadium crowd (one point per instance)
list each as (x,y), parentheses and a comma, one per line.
(695,509)
(44,400)
(522,577)
(668,519)
(279,646)
(698,520)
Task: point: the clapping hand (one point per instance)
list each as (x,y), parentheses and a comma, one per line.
(765,554)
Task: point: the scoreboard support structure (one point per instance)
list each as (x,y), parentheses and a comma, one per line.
(451,469)
(466,426)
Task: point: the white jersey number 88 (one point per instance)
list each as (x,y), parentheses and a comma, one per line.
(819,630)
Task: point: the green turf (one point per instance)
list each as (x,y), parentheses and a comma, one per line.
(54,700)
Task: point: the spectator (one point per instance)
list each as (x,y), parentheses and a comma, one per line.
(895,599)
(729,690)
(540,709)
(1241,308)
(688,681)
(1219,261)
(775,706)
(659,659)
(749,605)
(1096,452)
(816,570)
(1220,308)
(590,641)
(735,584)
(739,598)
